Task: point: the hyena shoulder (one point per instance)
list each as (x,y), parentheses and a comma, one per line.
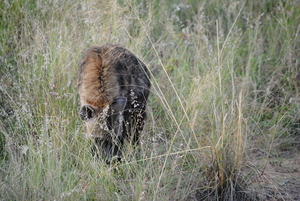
(96,82)
(109,71)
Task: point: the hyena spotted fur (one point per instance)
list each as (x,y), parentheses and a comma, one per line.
(113,86)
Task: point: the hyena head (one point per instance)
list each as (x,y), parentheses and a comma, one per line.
(106,125)
(113,86)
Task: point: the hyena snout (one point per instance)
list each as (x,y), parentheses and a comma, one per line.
(107,128)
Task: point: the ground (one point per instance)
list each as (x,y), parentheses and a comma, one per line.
(278,178)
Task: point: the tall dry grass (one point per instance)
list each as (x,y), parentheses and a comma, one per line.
(225,87)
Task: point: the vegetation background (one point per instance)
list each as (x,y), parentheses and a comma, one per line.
(224,111)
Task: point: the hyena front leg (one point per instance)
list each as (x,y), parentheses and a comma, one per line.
(138,123)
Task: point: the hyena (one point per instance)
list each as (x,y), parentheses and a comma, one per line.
(113,86)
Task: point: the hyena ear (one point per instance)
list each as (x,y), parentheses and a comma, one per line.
(87,112)
(118,104)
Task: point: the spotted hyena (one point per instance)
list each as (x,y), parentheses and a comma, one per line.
(113,86)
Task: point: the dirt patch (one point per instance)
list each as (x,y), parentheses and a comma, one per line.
(278,178)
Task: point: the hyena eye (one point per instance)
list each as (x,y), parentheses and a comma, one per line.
(87,112)
(118,104)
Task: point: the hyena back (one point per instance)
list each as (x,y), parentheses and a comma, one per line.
(113,86)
